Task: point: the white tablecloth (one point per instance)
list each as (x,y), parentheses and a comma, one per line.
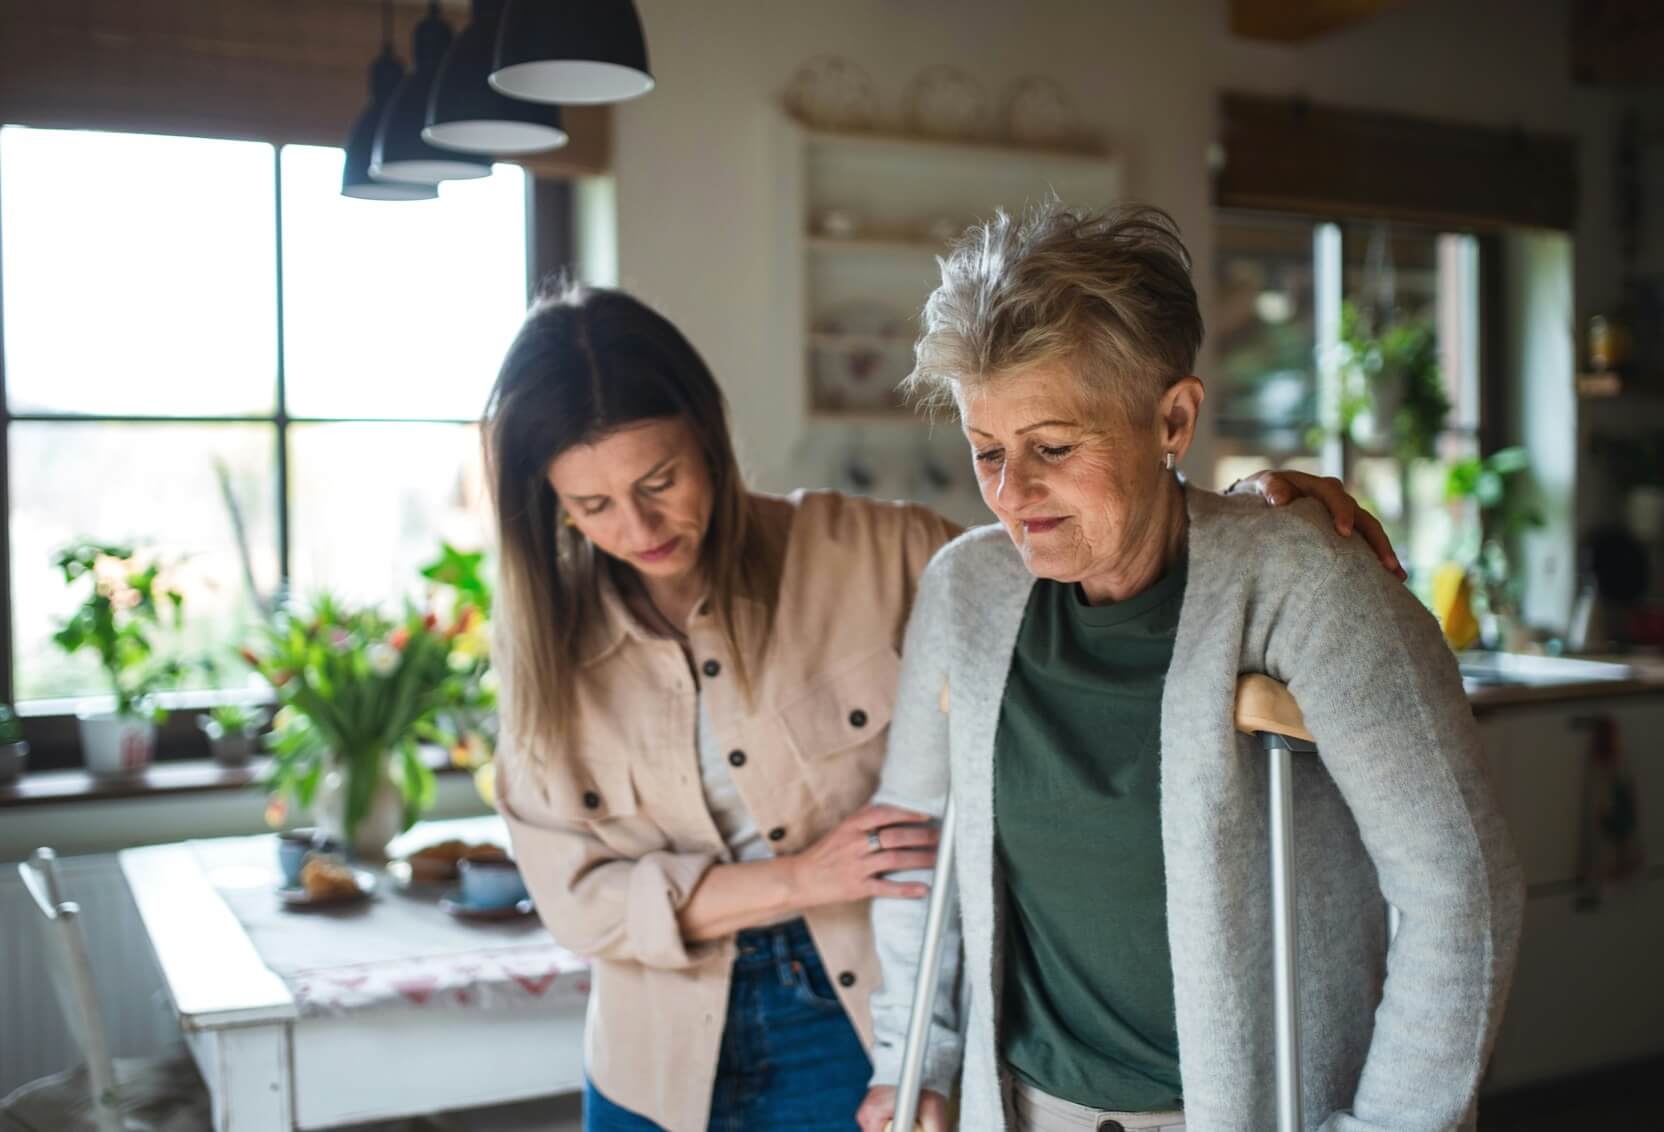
(394,950)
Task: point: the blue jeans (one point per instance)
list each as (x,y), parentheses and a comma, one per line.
(790,1057)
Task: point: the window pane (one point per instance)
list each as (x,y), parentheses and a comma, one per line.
(1396,276)
(151,484)
(139,273)
(372,502)
(1265,331)
(398,310)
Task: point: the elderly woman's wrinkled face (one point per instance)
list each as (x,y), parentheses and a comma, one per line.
(1078,488)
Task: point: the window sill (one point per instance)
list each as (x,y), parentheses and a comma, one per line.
(184,776)
(162,780)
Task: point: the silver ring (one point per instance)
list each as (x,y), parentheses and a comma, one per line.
(873,842)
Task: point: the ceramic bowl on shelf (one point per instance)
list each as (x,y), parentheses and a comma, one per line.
(945,102)
(833,94)
(1038,111)
(861,351)
(838,223)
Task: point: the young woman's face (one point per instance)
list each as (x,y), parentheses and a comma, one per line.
(641,494)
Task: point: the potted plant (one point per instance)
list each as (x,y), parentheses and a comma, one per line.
(1393,396)
(233,732)
(1498,488)
(125,605)
(460,576)
(14,749)
(359,691)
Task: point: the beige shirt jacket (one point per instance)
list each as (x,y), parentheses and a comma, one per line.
(613,836)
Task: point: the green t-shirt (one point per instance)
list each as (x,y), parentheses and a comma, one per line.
(1088,1010)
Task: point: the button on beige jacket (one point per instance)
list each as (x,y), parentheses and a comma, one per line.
(613,836)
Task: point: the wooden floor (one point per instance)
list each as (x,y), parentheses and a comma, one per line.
(1628,1098)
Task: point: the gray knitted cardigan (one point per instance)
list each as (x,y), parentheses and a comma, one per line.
(1395,804)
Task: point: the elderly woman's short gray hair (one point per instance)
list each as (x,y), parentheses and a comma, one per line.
(1110,292)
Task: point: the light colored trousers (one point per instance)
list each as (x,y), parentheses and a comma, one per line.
(1039,1111)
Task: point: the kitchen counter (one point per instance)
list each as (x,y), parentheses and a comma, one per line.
(1498,680)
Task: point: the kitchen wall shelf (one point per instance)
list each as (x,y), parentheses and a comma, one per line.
(861,225)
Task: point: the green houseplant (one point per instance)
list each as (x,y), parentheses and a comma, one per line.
(14,749)
(128,604)
(462,575)
(233,732)
(1393,397)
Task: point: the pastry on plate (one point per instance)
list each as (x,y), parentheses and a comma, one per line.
(325,878)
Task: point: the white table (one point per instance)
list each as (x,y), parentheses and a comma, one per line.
(273,1063)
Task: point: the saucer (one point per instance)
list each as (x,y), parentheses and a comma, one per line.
(295,897)
(462,910)
(406,881)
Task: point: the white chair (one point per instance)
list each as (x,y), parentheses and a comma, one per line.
(103,1094)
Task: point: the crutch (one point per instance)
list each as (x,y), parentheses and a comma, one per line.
(1266,710)
(924,989)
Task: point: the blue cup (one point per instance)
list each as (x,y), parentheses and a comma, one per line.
(292,847)
(491,884)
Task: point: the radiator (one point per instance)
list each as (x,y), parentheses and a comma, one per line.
(34,1039)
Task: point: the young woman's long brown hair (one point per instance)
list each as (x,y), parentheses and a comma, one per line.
(586,362)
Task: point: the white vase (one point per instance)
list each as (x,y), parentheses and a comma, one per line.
(383,822)
(114,744)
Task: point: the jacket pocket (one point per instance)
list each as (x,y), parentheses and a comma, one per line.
(593,791)
(848,708)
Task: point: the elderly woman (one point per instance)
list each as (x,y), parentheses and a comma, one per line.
(1071,671)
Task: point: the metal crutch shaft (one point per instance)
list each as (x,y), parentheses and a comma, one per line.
(1285,950)
(924,990)
(1266,710)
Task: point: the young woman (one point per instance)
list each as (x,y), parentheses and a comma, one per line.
(697,686)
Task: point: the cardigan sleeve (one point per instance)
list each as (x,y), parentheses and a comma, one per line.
(1381,694)
(916,777)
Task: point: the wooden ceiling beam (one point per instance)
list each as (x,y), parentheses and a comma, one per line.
(1296,21)
(271,70)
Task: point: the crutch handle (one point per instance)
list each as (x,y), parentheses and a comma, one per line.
(1265,706)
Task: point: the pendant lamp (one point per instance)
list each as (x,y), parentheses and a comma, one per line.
(400,153)
(385,74)
(572,51)
(466,113)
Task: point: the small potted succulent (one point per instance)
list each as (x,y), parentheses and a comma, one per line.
(233,732)
(127,603)
(14,749)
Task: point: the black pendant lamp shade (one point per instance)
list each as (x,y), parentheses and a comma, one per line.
(400,153)
(575,51)
(356,181)
(465,112)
